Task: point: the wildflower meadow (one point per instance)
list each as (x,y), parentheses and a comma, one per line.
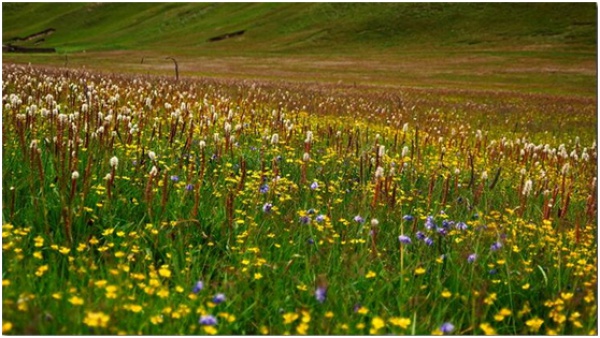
(137,204)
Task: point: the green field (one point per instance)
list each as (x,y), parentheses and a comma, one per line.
(338,169)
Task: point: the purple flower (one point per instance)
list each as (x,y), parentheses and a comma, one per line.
(356,307)
(420,235)
(404,239)
(314,185)
(429,224)
(208,320)
(311,241)
(461,226)
(267,207)
(304,220)
(472,258)
(496,246)
(218,298)
(320,218)
(447,328)
(321,294)
(428,241)
(408,218)
(198,287)
(359,219)
(264,188)
(174,178)
(442,231)
(311,211)
(189,187)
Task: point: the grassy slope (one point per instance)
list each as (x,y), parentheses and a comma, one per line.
(538,47)
(312,27)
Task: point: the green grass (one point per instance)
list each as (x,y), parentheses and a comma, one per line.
(120,248)
(322,28)
(471,102)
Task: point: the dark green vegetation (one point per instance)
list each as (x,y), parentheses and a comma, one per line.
(305,28)
(542,48)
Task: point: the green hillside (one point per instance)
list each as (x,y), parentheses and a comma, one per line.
(300,28)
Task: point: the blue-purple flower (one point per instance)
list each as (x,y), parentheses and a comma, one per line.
(420,236)
(208,320)
(304,220)
(428,241)
(320,218)
(264,189)
(198,287)
(496,246)
(321,294)
(189,187)
(314,185)
(174,178)
(429,224)
(447,328)
(472,258)
(461,226)
(359,219)
(218,298)
(408,218)
(267,207)
(404,239)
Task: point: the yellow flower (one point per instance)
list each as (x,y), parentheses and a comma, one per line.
(5,282)
(377,323)
(489,300)
(135,308)
(164,271)
(363,310)
(487,329)
(264,330)
(96,319)
(41,270)
(163,293)
(156,319)
(446,294)
(328,314)
(302,328)
(258,276)
(290,317)
(6,327)
(371,274)
(534,324)
(419,271)
(401,322)
(211,330)
(76,300)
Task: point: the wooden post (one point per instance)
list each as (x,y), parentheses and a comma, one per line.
(176,68)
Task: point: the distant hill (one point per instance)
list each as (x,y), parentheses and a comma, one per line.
(266,28)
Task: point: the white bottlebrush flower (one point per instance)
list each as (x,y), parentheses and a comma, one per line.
(74,175)
(381,151)
(114,162)
(527,187)
(309,137)
(565,169)
(405,151)
(202,144)
(306,157)
(274,138)
(484,175)
(153,171)
(152,155)
(405,128)
(379,172)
